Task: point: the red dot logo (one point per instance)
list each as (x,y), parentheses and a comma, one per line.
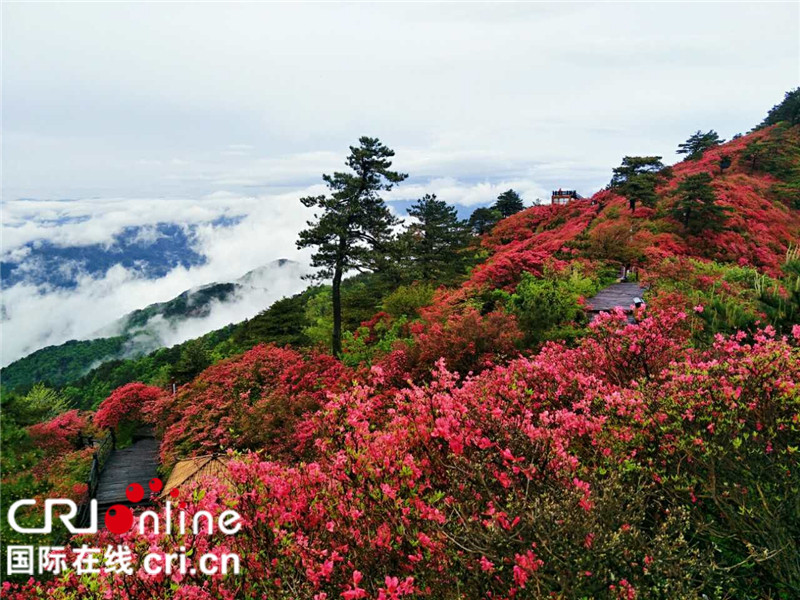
(156,485)
(134,492)
(119,519)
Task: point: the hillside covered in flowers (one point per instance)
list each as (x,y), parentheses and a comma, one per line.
(476,435)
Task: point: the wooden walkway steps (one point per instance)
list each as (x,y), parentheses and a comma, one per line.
(135,464)
(617,295)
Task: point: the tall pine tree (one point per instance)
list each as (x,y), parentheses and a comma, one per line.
(354,229)
(435,244)
(697,206)
(483,219)
(508,203)
(636,179)
(698,143)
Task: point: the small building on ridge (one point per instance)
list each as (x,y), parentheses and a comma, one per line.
(560,196)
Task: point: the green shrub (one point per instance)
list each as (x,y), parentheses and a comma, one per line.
(550,307)
(406,300)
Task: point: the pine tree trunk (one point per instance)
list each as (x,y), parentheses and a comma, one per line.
(336,292)
(336,342)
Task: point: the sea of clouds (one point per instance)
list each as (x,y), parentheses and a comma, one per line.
(235,232)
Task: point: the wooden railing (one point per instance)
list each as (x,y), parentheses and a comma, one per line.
(99,460)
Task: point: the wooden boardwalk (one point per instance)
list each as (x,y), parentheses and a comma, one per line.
(135,464)
(617,295)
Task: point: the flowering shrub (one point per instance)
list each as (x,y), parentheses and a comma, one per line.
(63,458)
(126,404)
(247,402)
(59,434)
(374,338)
(731,297)
(628,466)
(467,342)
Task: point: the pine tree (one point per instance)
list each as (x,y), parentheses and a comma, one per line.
(788,110)
(636,179)
(354,230)
(435,245)
(642,189)
(697,206)
(483,219)
(755,154)
(508,203)
(698,143)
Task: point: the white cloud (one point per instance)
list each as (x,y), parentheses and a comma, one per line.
(456,192)
(267,230)
(266,94)
(35,317)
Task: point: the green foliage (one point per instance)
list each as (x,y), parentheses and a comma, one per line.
(734,298)
(434,247)
(642,189)
(193,359)
(777,154)
(788,193)
(787,111)
(788,306)
(282,323)
(483,219)
(636,179)
(365,344)
(31,471)
(550,307)
(44,403)
(319,318)
(406,300)
(362,296)
(17,455)
(632,166)
(508,203)
(354,229)
(57,365)
(697,206)
(698,143)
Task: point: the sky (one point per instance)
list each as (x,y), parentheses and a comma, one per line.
(121,114)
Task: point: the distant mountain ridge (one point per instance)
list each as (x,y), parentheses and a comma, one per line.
(141,331)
